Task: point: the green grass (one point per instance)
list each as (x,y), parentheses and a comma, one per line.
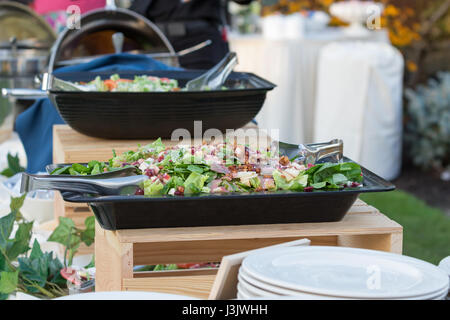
(426,230)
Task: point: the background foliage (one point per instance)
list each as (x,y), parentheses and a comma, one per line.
(419,28)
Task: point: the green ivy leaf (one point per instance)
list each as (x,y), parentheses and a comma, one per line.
(61,234)
(36,251)
(88,235)
(21,241)
(89,222)
(71,252)
(55,267)
(14,163)
(31,272)
(14,166)
(9,281)
(17,203)
(6,226)
(2,262)
(38,261)
(41,266)
(7,173)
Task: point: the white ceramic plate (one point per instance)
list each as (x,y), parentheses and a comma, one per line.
(445,265)
(263,289)
(441,297)
(241,296)
(254,291)
(125,295)
(346,272)
(245,292)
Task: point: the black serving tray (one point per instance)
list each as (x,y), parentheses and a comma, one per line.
(145,115)
(136,212)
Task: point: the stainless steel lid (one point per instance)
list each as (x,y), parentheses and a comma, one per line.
(29,30)
(95,36)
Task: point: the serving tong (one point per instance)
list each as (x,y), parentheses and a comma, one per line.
(49,82)
(215,77)
(127,185)
(313,153)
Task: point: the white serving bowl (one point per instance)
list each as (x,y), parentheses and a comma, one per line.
(357,13)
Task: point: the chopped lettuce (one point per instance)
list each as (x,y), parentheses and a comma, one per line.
(141,83)
(153,148)
(255,182)
(173,183)
(92,168)
(194,183)
(99,84)
(296,184)
(153,188)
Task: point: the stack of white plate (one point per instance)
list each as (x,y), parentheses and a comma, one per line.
(445,265)
(339,273)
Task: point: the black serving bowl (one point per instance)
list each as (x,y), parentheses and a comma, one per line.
(145,115)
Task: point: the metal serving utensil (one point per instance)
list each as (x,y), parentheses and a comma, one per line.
(109,186)
(52,82)
(122,172)
(117,40)
(314,152)
(48,82)
(216,76)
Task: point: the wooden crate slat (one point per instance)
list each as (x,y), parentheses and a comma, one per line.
(208,251)
(351,224)
(193,286)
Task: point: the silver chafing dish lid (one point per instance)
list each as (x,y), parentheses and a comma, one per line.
(22,28)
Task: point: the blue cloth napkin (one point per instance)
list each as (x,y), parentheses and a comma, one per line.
(35,125)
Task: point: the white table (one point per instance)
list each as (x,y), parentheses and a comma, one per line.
(292,66)
(359,100)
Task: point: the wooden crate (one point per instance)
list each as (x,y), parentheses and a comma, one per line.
(117,252)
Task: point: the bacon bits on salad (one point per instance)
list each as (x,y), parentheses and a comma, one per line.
(224,168)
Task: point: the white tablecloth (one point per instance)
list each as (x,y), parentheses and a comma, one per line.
(359,100)
(292,66)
